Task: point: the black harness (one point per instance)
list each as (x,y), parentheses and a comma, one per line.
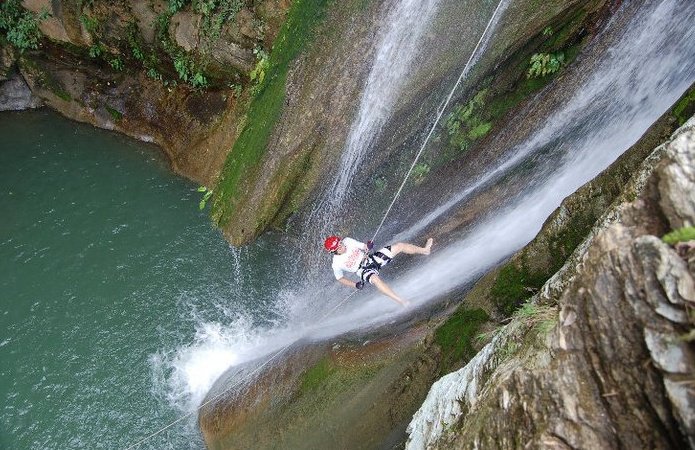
(370,262)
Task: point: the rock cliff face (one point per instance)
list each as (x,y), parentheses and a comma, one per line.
(172,73)
(603,356)
(323,92)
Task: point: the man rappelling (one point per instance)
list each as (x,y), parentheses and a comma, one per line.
(353,256)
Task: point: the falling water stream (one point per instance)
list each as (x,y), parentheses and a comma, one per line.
(121,305)
(405,22)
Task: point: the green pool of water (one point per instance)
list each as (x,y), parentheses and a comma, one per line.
(107,267)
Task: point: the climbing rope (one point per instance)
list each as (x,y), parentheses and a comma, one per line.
(393,202)
(439,116)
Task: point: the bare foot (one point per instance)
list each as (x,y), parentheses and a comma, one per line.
(428,246)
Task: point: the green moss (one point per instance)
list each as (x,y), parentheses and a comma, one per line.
(685,107)
(514,286)
(266,107)
(316,375)
(455,336)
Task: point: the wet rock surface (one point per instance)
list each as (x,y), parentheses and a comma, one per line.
(15,95)
(344,394)
(112,64)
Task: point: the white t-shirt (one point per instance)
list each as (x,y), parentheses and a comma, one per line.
(351,259)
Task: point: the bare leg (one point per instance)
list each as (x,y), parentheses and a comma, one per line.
(386,290)
(411,249)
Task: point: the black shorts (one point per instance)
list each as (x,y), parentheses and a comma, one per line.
(371,265)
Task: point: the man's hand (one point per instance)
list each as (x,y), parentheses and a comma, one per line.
(359,285)
(370,245)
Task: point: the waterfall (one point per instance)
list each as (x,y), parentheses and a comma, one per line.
(623,93)
(398,45)
(629,86)
(623,90)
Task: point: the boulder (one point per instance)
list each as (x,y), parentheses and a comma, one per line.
(15,95)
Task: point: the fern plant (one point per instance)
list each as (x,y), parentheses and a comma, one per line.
(543,64)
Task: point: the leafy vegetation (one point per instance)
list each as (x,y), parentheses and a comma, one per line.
(21,27)
(176,5)
(680,235)
(465,123)
(257,75)
(207,193)
(543,318)
(96,50)
(543,64)
(469,122)
(295,35)
(91,24)
(455,336)
(216,14)
(116,63)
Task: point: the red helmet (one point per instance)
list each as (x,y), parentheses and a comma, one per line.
(331,243)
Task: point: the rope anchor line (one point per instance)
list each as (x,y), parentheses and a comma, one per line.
(396,196)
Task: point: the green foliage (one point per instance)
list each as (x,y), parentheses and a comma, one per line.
(542,318)
(480,130)
(116,63)
(680,235)
(154,74)
(199,80)
(258,73)
(206,196)
(465,124)
(547,31)
(91,24)
(188,72)
(21,27)
(216,14)
(183,67)
(265,109)
(204,7)
(137,53)
(96,50)
(543,64)
(315,375)
(455,336)
(134,42)
(176,5)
